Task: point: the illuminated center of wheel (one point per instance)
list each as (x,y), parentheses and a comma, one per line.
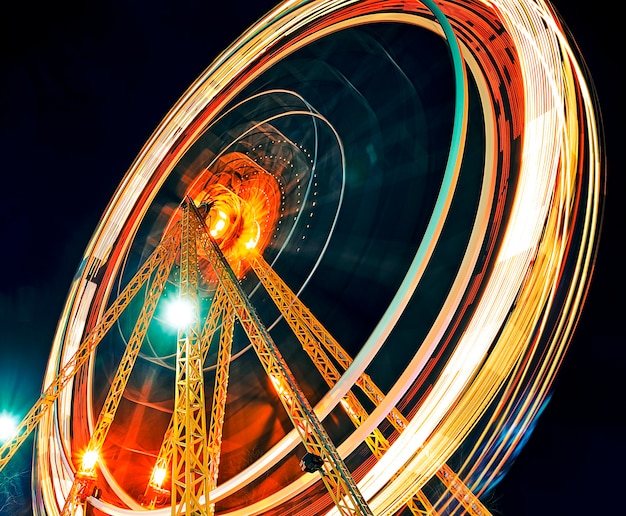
(242,204)
(235,222)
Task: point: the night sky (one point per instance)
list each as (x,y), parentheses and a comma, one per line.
(83,88)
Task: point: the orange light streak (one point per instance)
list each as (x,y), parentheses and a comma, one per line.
(519,330)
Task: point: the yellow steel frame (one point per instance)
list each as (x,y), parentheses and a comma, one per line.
(77,495)
(189,464)
(311,334)
(282,296)
(86,348)
(164,456)
(335,475)
(218,406)
(120,380)
(192,452)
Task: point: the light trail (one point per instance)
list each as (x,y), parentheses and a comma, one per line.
(542,149)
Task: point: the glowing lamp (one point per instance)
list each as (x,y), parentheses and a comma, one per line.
(90,458)
(158,476)
(180,313)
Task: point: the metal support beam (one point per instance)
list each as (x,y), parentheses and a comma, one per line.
(312,334)
(155,492)
(189,448)
(85,349)
(218,407)
(335,475)
(87,475)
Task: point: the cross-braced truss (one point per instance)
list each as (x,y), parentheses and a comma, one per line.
(191,448)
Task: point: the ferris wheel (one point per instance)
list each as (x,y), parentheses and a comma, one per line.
(340,276)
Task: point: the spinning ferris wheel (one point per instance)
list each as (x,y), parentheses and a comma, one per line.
(380,221)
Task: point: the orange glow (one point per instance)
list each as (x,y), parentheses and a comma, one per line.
(242,203)
(158,476)
(235,221)
(218,228)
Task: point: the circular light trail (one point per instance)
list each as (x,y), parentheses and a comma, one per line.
(426,178)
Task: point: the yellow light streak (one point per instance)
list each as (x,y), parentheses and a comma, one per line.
(518,296)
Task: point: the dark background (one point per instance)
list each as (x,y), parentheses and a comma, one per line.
(83,87)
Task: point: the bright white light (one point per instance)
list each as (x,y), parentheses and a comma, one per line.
(179,313)
(89,460)
(159,476)
(8,425)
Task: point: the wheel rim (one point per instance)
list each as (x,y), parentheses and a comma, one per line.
(473,434)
